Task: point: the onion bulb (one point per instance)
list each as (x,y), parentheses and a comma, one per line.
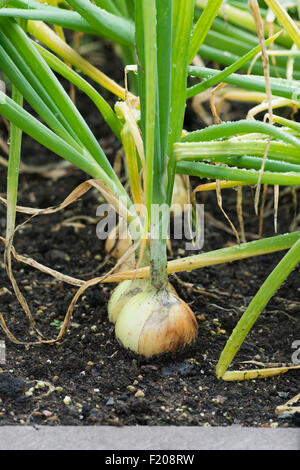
(154,322)
(122,294)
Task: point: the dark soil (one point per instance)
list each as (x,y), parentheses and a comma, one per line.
(88,378)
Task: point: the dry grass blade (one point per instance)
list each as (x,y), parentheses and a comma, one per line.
(9,249)
(3,162)
(239,205)
(262,208)
(187,186)
(220,204)
(127,111)
(212,186)
(275,103)
(290,64)
(270,18)
(79,191)
(19,295)
(295,206)
(41,267)
(276,200)
(289,407)
(199,109)
(53,172)
(257,192)
(85,285)
(253,4)
(231,94)
(9,334)
(213,105)
(4,147)
(256,373)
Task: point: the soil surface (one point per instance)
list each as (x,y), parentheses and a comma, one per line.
(88,378)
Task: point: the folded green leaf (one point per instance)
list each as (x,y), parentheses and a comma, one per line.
(117,28)
(221,76)
(38,131)
(244,126)
(218,172)
(51,85)
(237,148)
(100,22)
(279,86)
(67,72)
(203,26)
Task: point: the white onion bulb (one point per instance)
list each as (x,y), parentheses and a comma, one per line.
(122,294)
(153,323)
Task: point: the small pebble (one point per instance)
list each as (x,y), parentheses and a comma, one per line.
(29,392)
(201,317)
(219,399)
(67,400)
(282,394)
(139,394)
(41,384)
(221,331)
(53,418)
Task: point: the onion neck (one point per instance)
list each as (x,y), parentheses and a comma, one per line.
(158,252)
(158,265)
(159,225)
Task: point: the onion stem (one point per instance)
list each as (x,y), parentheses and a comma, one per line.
(215,257)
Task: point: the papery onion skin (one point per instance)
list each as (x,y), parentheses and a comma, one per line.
(118,242)
(154,323)
(177,330)
(122,294)
(131,320)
